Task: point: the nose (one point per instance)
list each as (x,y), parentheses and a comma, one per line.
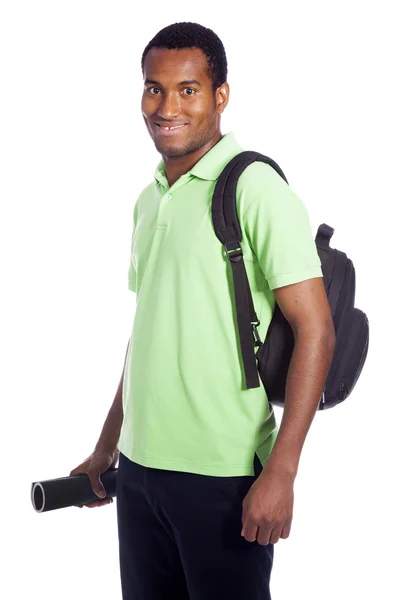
(169,107)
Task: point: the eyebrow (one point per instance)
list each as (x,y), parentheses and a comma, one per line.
(186,82)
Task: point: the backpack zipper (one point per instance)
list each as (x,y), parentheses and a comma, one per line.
(339,311)
(343,389)
(352,361)
(339,307)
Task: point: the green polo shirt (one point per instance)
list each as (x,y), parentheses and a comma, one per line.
(186,407)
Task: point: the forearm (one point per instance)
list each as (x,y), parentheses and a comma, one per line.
(308,370)
(110,433)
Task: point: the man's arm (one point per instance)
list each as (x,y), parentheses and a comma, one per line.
(306,308)
(110,433)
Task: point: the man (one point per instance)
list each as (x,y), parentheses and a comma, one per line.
(205,480)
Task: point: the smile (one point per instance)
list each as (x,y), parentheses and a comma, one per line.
(169,130)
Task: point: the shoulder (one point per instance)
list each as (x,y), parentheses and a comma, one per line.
(147,192)
(143,197)
(262,189)
(258,175)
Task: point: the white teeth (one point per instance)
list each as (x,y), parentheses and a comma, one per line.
(168,128)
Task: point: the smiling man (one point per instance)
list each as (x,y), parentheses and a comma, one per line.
(205,480)
(182,116)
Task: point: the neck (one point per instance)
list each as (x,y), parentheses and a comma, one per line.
(176,166)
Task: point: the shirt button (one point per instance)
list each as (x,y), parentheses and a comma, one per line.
(169,196)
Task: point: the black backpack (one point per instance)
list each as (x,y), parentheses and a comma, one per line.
(271,361)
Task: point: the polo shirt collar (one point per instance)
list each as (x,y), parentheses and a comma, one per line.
(211,164)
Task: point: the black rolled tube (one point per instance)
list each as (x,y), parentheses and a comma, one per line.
(52,494)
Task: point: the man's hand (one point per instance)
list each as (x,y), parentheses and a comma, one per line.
(268,507)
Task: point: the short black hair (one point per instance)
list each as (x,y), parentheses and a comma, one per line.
(193,35)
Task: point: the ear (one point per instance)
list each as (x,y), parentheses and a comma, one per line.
(222,97)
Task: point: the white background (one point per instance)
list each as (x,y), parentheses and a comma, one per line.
(314,86)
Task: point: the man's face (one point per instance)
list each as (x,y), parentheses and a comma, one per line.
(178,93)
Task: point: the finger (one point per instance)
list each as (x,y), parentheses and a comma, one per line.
(249,531)
(95,503)
(275,535)
(98,503)
(263,536)
(286,531)
(77,471)
(96,484)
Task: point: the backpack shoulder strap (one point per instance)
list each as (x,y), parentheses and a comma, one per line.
(227,229)
(224,212)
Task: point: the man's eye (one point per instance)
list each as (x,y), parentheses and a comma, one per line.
(153,88)
(190,90)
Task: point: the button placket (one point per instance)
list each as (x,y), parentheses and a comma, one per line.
(167,196)
(163,208)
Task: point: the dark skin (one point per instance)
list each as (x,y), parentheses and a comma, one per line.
(268,506)
(168,99)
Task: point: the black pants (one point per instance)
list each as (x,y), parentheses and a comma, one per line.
(179,536)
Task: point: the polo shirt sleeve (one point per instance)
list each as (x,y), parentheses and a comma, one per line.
(278,229)
(132,277)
